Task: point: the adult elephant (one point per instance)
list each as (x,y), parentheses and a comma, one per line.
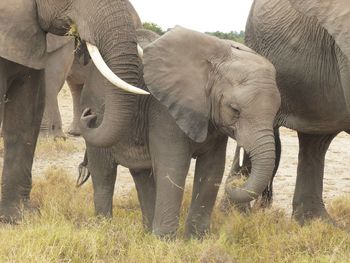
(204,90)
(23,28)
(67,62)
(308,42)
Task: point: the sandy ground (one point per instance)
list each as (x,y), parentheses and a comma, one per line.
(337,177)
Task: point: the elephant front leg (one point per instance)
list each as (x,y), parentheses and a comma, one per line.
(22,117)
(146,192)
(208,175)
(308,200)
(171,162)
(103,171)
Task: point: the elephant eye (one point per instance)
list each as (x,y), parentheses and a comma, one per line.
(235,109)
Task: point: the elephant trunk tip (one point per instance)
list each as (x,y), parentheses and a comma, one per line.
(240,194)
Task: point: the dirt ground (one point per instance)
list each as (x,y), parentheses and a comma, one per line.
(336,183)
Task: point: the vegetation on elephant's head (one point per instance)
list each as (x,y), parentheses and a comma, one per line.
(73,31)
(153,27)
(233,35)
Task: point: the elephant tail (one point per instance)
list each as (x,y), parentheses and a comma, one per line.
(84,173)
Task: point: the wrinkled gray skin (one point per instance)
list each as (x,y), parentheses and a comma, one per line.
(309,44)
(65,63)
(23,27)
(204,90)
(59,63)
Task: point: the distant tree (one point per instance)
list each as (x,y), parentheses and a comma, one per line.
(153,27)
(233,35)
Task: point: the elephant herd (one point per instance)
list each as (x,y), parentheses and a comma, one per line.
(152,103)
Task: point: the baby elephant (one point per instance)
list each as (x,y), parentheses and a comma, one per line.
(203,90)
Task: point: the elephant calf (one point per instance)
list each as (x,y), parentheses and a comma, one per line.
(203,90)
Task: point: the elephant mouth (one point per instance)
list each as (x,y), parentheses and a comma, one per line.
(88,119)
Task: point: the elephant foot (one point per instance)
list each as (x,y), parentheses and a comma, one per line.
(10,214)
(165,235)
(59,135)
(304,214)
(196,231)
(226,205)
(55,134)
(74,130)
(14,214)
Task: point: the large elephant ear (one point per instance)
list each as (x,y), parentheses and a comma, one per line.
(177,69)
(21,38)
(333,15)
(56,42)
(135,17)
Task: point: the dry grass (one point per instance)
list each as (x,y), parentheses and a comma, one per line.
(48,147)
(67,231)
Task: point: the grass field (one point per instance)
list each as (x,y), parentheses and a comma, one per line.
(67,231)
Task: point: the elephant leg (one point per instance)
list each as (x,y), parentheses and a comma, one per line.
(208,176)
(171,162)
(22,117)
(103,171)
(146,192)
(308,201)
(59,64)
(75,90)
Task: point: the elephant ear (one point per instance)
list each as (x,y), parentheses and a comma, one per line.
(21,38)
(54,42)
(177,70)
(334,16)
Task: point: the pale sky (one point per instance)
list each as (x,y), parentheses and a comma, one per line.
(200,15)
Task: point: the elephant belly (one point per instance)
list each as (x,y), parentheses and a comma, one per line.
(132,157)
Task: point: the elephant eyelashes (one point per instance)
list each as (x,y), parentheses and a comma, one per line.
(235,110)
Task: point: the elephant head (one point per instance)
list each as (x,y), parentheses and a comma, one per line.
(334,16)
(107,26)
(208,83)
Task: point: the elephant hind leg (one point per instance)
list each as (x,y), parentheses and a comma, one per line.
(75,90)
(146,192)
(22,117)
(308,195)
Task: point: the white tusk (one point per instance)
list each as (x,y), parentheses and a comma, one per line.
(241,156)
(108,73)
(140,51)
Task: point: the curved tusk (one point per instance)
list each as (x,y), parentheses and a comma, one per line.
(108,73)
(140,51)
(241,156)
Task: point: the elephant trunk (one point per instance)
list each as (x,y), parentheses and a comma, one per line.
(262,155)
(115,36)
